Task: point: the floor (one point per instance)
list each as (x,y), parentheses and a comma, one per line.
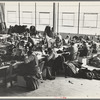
(59,88)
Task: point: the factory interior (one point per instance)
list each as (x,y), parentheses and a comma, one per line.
(50,49)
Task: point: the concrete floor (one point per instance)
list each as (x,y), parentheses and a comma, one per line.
(59,88)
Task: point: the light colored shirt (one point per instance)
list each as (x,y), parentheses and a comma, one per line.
(59,36)
(75,46)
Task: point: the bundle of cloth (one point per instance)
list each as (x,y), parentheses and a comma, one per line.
(71,68)
(17,29)
(75,69)
(95,61)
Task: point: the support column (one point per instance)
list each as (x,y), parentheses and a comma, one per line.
(58,18)
(78,19)
(3,11)
(54,18)
(19,12)
(35,14)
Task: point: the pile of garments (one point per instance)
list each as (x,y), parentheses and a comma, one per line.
(75,69)
(95,61)
(17,29)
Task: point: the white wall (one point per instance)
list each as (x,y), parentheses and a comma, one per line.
(66,16)
(71,9)
(44,15)
(11,13)
(89,7)
(27,13)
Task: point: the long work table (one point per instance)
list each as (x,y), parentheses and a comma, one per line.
(11,66)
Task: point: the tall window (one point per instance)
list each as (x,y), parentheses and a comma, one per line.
(44,18)
(27,17)
(90,20)
(11,16)
(68,19)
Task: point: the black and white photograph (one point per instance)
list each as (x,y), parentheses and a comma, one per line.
(50,49)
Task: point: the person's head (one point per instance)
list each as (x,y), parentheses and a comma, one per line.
(84,42)
(49,50)
(52,29)
(89,42)
(75,37)
(67,37)
(72,43)
(58,33)
(22,43)
(32,30)
(27,30)
(29,53)
(80,38)
(48,31)
(88,37)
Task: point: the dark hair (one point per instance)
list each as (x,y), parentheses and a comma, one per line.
(58,33)
(33,30)
(75,37)
(27,30)
(72,43)
(29,52)
(67,36)
(22,42)
(48,31)
(49,50)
